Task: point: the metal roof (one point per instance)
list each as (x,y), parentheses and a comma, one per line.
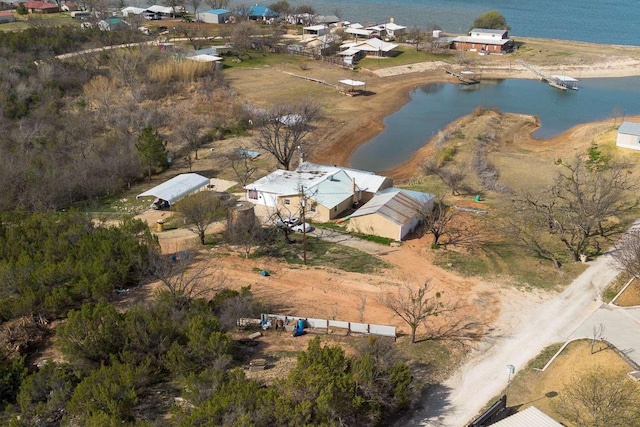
(530,417)
(629,128)
(394,206)
(327,185)
(177,187)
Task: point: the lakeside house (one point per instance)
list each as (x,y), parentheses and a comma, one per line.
(369,202)
(331,190)
(484,41)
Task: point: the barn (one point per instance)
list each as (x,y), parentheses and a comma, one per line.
(177,187)
(214,16)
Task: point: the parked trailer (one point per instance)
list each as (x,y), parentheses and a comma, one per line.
(80,14)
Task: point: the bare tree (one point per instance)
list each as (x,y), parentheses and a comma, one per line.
(183,278)
(200,210)
(244,231)
(192,33)
(415,306)
(190,130)
(600,398)
(452,175)
(436,220)
(523,228)
(585,203)
(627,255)
(217,4)
(241,35)
(598,335)
(242,165)
(283,130)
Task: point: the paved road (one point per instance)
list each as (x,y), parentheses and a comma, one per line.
(539,324)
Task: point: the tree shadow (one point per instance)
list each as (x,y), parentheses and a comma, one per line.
(433,403)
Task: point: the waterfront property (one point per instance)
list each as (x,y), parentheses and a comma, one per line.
(484,41)
(329,191)
(629,136)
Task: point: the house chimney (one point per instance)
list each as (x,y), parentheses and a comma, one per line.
(355,194)
(301,154)
(392,20)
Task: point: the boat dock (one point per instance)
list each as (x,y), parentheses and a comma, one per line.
(559,81)
(466,77)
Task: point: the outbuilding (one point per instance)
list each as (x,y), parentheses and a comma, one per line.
(393,214)
(177,187)
(629,136)
(214,16)
(6,16)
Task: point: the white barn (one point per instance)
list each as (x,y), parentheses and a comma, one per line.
(214,16)
(629,136)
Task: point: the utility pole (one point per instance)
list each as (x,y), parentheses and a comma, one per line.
(303,208)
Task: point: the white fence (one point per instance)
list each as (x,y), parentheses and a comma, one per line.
(355,327)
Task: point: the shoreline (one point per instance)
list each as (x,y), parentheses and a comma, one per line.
(394,84)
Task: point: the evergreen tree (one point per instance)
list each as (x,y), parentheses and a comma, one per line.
(151,150)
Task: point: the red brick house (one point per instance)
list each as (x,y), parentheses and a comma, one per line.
(41,7)
(484,41)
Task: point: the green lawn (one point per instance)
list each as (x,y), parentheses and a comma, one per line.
(406,55)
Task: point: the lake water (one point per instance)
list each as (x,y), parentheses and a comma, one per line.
(435,105)
(597,21)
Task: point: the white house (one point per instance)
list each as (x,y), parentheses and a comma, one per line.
(352,51)
(629,136)
(331,190)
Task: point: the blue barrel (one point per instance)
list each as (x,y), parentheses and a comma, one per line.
(301,323)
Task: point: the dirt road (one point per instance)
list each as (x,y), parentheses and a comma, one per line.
(534,323)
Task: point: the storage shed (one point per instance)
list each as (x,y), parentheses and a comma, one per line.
(215,16)
(392,214)
(629,136)
(177,187)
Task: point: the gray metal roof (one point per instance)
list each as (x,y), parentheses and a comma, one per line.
(530,417)
(177,187)
(629,128)
(397,207)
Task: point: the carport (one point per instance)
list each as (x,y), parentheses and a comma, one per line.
(177,187)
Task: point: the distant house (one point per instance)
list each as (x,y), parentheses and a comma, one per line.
(389,30)
(331,190)
(215,16)
(353,51)
(313,31)
(204,55)
(165,10)
(112,24)
(484,41)
(69,7)
(261,13)
(629,136)
(7,16)
(132,11)
(41,7)
(392,213)
(357,30)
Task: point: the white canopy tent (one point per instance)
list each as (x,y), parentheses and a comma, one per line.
(177,187)
(353,86)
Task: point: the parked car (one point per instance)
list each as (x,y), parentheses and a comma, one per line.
(287,222)
(306,227)
(159,204)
